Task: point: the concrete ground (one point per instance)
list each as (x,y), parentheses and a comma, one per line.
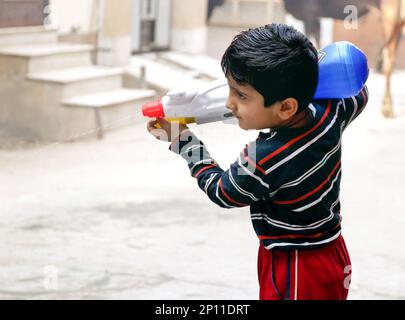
(122,218)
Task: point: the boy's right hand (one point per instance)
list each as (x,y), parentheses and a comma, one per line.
(168,131)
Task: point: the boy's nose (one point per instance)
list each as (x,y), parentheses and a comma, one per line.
(230,105)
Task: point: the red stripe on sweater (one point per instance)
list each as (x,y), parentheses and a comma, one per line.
(296,139)
(254,164)
(297,236)
(312,191)
(228,197)
(203,169)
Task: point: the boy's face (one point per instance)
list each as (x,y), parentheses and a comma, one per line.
(247,105)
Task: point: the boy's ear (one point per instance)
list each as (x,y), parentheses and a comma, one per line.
(288,108)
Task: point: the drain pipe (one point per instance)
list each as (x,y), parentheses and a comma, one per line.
(99,27)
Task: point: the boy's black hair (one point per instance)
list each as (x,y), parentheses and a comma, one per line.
(276,60)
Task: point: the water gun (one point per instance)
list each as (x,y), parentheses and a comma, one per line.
(343,72)
(195,105)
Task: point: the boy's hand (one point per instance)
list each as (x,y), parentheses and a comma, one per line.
(168,131)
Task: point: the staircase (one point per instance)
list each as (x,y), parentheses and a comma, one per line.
(52,91)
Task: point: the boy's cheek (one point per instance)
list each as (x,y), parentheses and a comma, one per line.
(244,125)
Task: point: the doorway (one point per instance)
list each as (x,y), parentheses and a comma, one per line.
(22,13)
(151,25)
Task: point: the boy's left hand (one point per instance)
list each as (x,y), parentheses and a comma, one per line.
(168,131)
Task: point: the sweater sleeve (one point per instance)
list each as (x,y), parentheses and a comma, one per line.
(353,106)
(239,186)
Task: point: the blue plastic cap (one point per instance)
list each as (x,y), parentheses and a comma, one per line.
(343,71)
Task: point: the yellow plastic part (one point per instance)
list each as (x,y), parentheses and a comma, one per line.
(182,120)
(178,120)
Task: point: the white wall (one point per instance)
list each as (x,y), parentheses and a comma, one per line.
(189,27)
(68,14)
(326,29)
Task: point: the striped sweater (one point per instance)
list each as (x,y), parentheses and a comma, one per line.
(290,177)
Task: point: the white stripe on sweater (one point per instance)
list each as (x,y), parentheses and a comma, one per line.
(209,181)
(304,244)
(283,225)
(321,197)
(251,174)
(204,161)
(192,148)
(310,171)
(354,109)
(313,109)
(293,227)
(237,187)
(298,151)
(217,195)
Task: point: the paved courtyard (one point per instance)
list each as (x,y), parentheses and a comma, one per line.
(122,218)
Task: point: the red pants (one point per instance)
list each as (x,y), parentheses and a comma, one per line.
(318,274)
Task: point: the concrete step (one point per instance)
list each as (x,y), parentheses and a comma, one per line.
(110,98)
(207,66)
(112,109)
(80,81)
(24,35)
(48,56)
(163,75)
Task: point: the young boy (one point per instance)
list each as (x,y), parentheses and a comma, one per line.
(290,176)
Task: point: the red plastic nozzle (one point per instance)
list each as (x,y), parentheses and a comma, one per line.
(153,109)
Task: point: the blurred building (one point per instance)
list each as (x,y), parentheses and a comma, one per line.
(247,13)
(369,37)
(63,64)
(62,67)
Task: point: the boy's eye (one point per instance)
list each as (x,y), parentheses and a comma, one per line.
(240,96)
